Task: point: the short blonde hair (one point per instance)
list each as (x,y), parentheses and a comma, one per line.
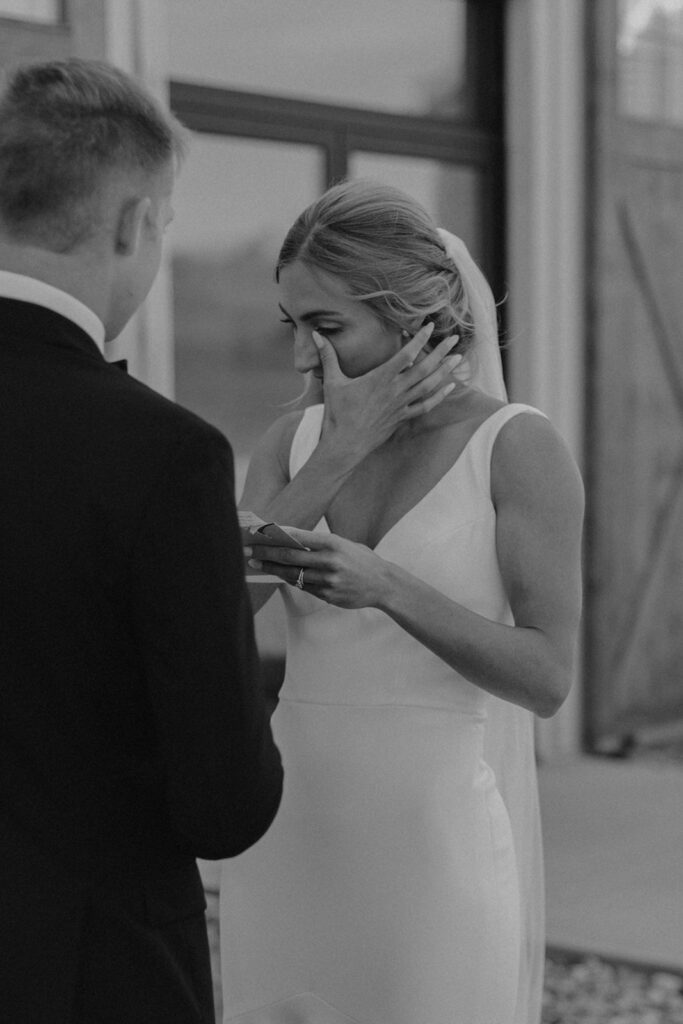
(64,125)
(386,249)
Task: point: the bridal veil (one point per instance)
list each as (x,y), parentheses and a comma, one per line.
(509,737)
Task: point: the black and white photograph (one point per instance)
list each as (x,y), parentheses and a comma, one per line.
(341,511)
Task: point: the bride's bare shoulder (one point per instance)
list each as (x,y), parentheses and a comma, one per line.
(532,462)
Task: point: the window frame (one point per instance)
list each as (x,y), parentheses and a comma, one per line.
(58,20)
(475,139)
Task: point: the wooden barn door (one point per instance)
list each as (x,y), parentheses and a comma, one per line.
(37,30)
(634,570)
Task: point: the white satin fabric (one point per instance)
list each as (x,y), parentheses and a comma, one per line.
(388,889)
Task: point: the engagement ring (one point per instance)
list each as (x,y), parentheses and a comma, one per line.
(300,580)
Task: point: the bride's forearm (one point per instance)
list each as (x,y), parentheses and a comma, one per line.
(515,663)
(306,498)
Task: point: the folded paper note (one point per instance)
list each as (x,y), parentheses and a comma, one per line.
(255,530)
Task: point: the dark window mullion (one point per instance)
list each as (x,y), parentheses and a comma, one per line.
(226,112)
(336,158)
(462,146)
(485,62)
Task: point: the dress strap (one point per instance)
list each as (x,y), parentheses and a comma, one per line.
(305,438)
(485,438)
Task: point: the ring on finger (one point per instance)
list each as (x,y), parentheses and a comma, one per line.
(300,580)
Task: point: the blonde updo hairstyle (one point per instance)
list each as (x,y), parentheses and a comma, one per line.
(385,248)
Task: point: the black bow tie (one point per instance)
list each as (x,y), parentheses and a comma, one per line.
(121,363)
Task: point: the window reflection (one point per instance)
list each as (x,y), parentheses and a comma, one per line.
(47,11)
(451,194)
(650,48)
(398,55)
(234,202)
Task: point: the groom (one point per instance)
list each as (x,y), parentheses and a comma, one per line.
(133,733)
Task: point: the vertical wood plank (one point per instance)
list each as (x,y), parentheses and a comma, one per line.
(634,452)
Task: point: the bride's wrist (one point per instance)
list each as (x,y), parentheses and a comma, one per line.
(387,585)
(341,454)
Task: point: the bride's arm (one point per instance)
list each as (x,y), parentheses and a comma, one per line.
(539,505)
(360,414)
(301,501)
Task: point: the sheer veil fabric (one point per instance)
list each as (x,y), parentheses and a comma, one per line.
(509,737)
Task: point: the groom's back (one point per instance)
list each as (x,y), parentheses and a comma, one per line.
(132,736)
(133,731)
(83,448)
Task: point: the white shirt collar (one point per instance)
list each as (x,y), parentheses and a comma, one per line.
(29,289)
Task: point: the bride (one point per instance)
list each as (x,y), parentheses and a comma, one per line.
(433,614)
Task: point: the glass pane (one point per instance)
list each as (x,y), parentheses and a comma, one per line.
(234,202)
(401,55)
(49,11)
(450,193)
(650,47)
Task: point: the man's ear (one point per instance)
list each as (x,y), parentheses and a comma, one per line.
(130,224)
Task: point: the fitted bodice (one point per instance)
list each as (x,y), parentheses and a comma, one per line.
(448,540)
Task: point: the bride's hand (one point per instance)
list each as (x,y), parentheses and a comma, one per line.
(363,412)
(336,570)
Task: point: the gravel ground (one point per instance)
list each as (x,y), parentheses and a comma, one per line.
(587,989)
(591,990)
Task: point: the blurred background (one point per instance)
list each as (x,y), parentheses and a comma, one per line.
(549,134)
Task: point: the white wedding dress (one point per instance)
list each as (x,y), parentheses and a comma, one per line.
(401,882)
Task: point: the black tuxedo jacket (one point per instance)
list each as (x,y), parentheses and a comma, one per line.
(133,731)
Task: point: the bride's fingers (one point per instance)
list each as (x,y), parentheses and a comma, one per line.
(407,355)
(328,358)
(269,554)
(426,404)
(316,549)
(431,382)
(431,361)
(296,575)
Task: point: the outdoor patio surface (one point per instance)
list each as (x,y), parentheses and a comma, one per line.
(613,834)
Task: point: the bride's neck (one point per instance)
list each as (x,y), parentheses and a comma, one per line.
(456,406)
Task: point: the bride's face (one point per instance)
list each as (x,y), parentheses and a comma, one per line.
(316,301)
